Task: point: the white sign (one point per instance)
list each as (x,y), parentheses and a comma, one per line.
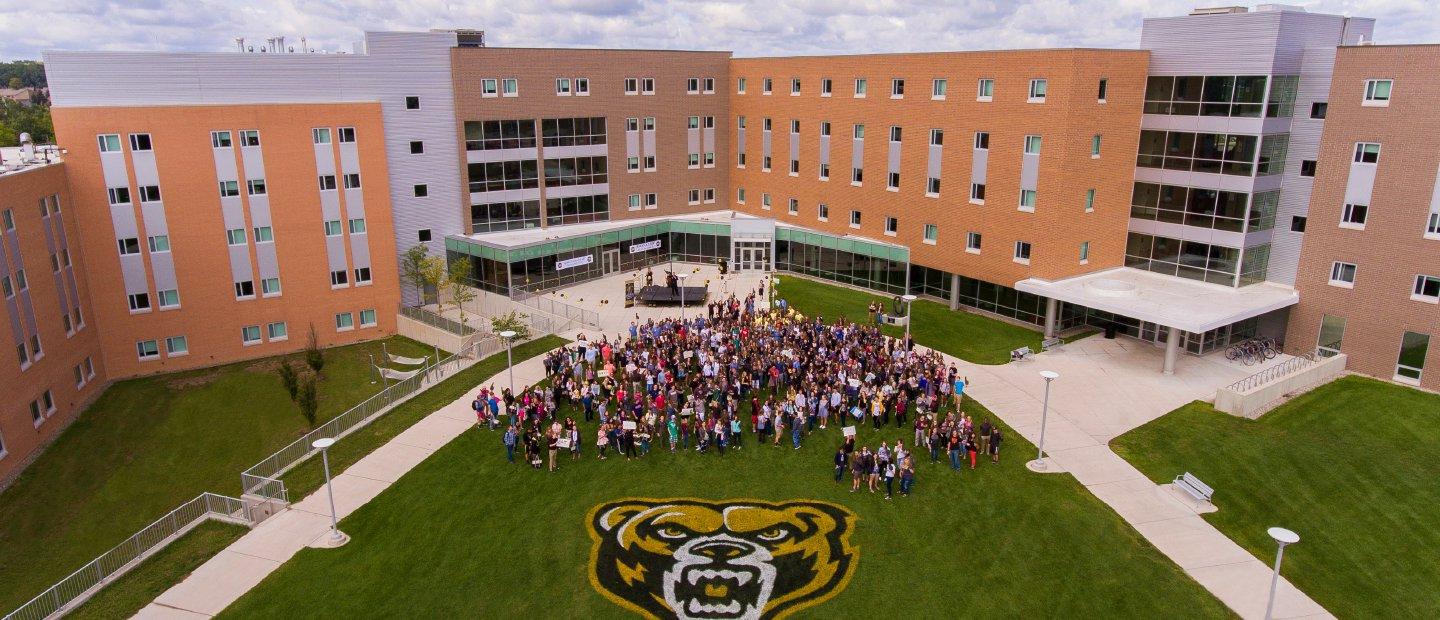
(644,247)
(849,431)
(574,262)
(563,444)
(628,425)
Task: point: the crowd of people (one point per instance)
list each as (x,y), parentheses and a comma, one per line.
(738,375)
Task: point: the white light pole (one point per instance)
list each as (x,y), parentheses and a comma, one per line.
(774,295)
(1282,537)
(323,445)
(1039,463)
(909,299)
(372,365)
(682,277)
(509,336)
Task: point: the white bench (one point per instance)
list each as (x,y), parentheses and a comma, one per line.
(1020,354)
(1050,343)
(1188,483)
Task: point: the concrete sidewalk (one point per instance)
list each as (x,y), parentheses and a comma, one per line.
(1107,387)
(247,561)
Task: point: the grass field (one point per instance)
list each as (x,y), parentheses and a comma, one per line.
(968,336)
(1353,467)
(127,595)
(466,534)
(148,444)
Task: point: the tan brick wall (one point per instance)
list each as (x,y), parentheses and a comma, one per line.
(210,317)
(21,192)
(1391,250)
(1067,120)
(537,69)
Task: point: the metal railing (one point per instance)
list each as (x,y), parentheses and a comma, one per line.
(437,321)
(587,318)
(75,589)
(1272,373)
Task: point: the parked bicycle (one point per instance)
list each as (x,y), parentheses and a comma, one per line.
(1253,350)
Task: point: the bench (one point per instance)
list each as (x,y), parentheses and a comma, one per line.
(1020,354)
(1050,343)
(1188,483)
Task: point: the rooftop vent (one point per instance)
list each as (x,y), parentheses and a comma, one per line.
(1279,7)
(467,37)
(1219,10)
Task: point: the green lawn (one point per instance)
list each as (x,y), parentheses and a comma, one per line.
(968,336)
(466,534)
(156,574)
(149,444)
(1353,467)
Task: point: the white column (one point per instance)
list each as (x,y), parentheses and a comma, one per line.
(955,291)
(1052,311)
(1172,349)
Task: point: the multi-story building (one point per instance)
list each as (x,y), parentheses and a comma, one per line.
(1369,275)
(1001,182)
(55,367)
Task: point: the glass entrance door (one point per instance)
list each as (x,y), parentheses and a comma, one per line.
(610,261)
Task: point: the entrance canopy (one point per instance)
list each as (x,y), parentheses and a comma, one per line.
(1188,305)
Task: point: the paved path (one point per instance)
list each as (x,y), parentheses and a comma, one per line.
(239,567)
(1107,387)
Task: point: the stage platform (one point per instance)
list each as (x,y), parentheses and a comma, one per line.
(655,295)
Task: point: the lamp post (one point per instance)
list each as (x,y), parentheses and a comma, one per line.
(323,445)
(1282,537)
(509,336)
(909,299)
(1039,463)
(682,277)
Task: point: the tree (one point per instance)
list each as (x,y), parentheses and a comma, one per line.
(314,356)
(289,378)
(308,398)
(514,321)
(458,283)
(422,271)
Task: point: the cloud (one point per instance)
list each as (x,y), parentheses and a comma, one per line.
(747,27)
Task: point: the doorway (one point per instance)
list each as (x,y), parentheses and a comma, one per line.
(610,261)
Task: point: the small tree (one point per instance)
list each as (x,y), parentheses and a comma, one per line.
(458,285)
(314,356)
(308,398)
(421,270)
(513,321)
(289,378)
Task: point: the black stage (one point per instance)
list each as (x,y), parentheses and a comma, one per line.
(659,295)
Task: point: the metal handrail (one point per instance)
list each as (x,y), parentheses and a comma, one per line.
(1274,372)
(587,318)
(436,320)
(76,588)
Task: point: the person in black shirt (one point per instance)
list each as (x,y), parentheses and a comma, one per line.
(995,439)
(841,460)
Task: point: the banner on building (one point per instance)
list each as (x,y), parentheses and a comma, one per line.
(574,262)
(637,248)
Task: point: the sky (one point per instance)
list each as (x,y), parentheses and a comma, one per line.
(746,27)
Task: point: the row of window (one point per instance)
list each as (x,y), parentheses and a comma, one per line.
(1426,289)
(1410,363)
(43,406)
(178,346)
(939,88)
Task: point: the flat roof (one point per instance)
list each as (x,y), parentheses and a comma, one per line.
(1190,305)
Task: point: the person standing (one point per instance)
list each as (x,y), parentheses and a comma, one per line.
(907,476)
(509,440)
(889,479)
(954,448)
(985,436)
(554,440)
(841,460)
(995,438)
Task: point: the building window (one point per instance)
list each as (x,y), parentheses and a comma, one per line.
(891,225)
(344,321)
(357,226)
(128,246)
(352,180)
(1089,200)
(1104,85)
(277,331)
(709,195)
(229,189)
(1095,146)
(1032,145)
(1410,365)
(562,87)
(1318,109)
(937,137)
(795,86)
(1307,167)
(250,334)
(339,278)
(854,219)
(1342,274)
(1427,288)
(1022,252)
(367,318)
(794,167)
(1027,200)
(149,193)
(245,289)
(1354,216)
(892,181)
(739,85)
(109,143)
(857,176)
(932,233)
(634,202)
(937,89)
(119,195)
(347,135)
(250,137)
(1297,223)
(862,87)
(489,87)
(765,84)
(694,197)
(652,201)
(412,103)
(709,86)
(1084,252)
(270,287)
(147,349)
(895,133)
(632,86)
(1367,153)
(977,193)
(327,182)
(510,87)
(972,242)
(740,195)
(827,86)
(168,298)
(320,135)
(982,140)
(332,229)
(220,139)
(932,187)
(794,206)
(824,172)
(423,235)
(421,190)
(1037,90)
(140,142)
(417,147)
(255,187)
(1377,92)
(1432,226)
(139,302)
(824,212)
(985,89)
(897,88)
(176,346)
(159,243)
(7,220)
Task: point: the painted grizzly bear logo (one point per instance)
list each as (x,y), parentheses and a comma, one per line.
(702,559)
